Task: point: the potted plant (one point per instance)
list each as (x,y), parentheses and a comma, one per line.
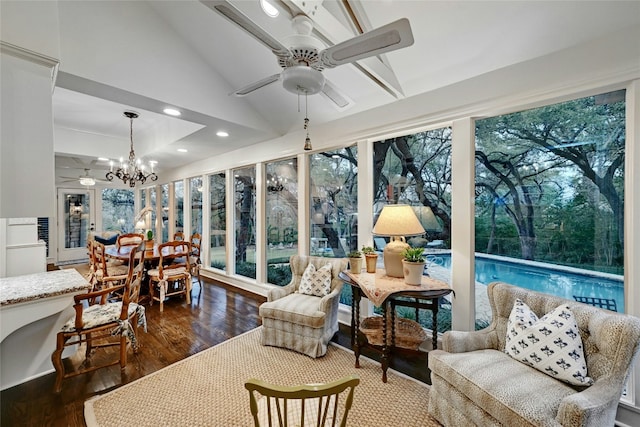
(413,262)
(355,261)
(371,258)
(148,244)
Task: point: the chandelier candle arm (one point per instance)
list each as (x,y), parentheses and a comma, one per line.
(132,171)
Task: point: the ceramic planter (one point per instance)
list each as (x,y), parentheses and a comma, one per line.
(371,261)
(412,272)
(355,265)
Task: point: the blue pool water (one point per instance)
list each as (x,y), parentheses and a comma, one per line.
(550,280)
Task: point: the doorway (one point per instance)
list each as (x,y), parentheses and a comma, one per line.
(76,219)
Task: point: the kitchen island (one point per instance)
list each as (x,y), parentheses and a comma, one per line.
(33,308)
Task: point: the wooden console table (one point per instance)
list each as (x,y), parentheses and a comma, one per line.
(388,292)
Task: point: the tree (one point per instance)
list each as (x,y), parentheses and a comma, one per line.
(542,150)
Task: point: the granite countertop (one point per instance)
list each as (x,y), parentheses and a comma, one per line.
(30,287)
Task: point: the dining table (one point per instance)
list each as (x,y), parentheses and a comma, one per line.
(122,253)
(151,260)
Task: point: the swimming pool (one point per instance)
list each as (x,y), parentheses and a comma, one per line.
(547,278)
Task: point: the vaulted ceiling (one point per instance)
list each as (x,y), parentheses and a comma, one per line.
(148,55)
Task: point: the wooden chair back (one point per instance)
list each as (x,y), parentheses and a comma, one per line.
(173,255)
(178,235)
(310,404)
(129,239)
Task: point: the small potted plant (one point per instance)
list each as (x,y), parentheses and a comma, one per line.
(371,258)
(355,261)
(413,262)
(148,244)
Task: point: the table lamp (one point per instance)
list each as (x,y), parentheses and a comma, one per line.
(397,222)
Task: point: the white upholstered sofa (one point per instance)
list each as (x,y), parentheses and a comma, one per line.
(300,322)
(474,382)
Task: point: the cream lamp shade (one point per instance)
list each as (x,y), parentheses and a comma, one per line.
(397,222)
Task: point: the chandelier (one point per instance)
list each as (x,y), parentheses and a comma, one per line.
(133,170)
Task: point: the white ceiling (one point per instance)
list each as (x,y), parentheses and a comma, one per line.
(144,56)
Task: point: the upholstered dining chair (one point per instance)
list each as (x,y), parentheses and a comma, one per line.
(173,275)
(129,239)
(99,323)
(303,315)
(305,405)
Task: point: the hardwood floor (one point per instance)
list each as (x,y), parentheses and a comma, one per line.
(216,314)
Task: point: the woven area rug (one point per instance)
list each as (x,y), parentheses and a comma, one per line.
(207,389)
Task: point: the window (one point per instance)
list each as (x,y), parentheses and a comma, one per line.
(218,221)
(152,203)
(118,210)
(244,181)
(416,170)
(178,190)
(281,219)
(165,212)
(550,195)
(334,205)
(195,186)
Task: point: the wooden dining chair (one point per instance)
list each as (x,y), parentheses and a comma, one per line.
(173,275)
(304,405)
(129,239)
(106,273)
(100,323)
(178,235)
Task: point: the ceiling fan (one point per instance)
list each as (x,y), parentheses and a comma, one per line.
(304,57)
(86,179)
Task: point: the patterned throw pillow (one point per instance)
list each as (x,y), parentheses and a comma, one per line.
(551,344)
(316,282)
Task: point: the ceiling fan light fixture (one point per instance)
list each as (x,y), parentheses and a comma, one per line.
(87,181)
(301,79)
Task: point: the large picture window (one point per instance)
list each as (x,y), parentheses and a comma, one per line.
(416,170)
(178,190)
(245,221)
(281,219)
(218,221)
(195,187)
(334,205)
(550,198)
(165,212)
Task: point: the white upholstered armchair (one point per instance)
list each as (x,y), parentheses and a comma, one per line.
(295,319)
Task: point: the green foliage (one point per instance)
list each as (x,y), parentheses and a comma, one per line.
(279,275)
(368,250)
(354,254)
(413,254)
(246,269)
(149,234)
(219,265)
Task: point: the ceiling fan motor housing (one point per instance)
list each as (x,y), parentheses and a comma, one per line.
(302,79)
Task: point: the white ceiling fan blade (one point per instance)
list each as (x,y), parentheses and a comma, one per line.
(339,99)
(257,85)
(393,36)
(234,15)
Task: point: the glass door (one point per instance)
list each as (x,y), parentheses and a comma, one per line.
(76,215)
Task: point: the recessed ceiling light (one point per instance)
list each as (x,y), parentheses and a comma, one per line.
(182,150)
(222,133)
(172,111)
(269,9)
(103,159)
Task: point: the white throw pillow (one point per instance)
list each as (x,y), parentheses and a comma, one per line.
(551,344)
(316,282)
